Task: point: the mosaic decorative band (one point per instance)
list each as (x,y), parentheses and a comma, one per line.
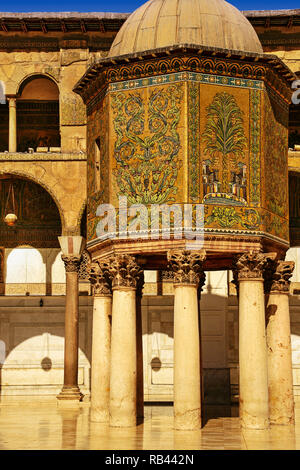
(255,145)
(194,141)
(186,76)
(229,220)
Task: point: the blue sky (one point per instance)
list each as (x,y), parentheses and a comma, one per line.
(127,5)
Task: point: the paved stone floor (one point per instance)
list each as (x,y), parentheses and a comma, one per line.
(41,425)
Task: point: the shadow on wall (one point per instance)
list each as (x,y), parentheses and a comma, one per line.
(32,326)
(159,349)
(32,346)
(33,336)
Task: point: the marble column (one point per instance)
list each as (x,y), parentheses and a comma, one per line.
(70,391)
(281,398)
(188,271)
(2,282)
(100,367)
(139,350)
(12,106)
(253,370)
(124,273)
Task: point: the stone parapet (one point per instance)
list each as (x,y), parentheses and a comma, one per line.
(48,156)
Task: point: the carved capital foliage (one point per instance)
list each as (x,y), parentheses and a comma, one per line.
(140,285)
(124,271)
(99,278)
(187,266)
(72,263)
(84,267)
(201,281)
(252,265)
(167,276)
(278,278)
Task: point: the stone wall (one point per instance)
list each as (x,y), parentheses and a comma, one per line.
(32,345)
(62,175)
(65,68)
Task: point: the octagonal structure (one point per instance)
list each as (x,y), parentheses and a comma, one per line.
(190,125)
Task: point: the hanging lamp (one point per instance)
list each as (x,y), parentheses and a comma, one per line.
(10,218)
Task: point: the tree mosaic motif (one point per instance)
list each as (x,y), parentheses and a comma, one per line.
(224,136)
(147,145)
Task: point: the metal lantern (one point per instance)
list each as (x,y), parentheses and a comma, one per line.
(10,218)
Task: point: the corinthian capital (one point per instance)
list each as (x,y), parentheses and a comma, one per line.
(187,266)
(140,285)
(72,263)
(279,279)
(99,277)
(124,271)
(252,265)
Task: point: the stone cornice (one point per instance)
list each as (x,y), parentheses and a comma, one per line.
(277,19)
(61,22)
(270,13)
(63,15)
(47,156)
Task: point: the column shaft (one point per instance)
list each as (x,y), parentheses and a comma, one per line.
(123,374)
(12,125)
(70,390)
(281,399)
(71,330)
(187,380)
(100,367)
(139,359)
(254,412)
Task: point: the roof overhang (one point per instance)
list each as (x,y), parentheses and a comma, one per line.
(101,64)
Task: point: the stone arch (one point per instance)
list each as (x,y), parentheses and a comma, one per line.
(4,118)
(28,176)
(38,114)
(20,75)
(32,76)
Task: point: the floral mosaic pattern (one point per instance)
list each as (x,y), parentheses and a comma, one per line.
(147,146)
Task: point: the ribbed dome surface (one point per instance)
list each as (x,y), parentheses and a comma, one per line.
(163,23)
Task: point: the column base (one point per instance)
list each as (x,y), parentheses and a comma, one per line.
(69,397)
(189,421)
(282,421)
(123,422)
(98,416)
(258,425)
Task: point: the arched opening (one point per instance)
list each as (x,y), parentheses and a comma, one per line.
(38,114)
(3,119)
(35,234)
(294,208)
(38,223)
(25,265)
(294,124)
